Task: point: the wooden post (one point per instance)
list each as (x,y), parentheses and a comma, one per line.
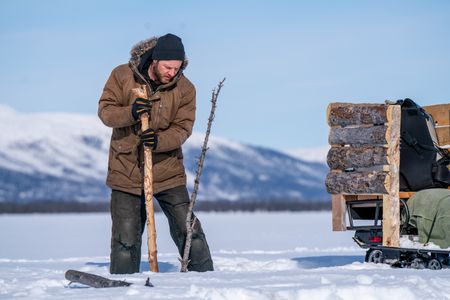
(338,208)
(148,192)
(391,201)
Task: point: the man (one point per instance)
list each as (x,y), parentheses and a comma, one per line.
(157,65)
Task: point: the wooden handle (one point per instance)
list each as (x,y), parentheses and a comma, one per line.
(148,192)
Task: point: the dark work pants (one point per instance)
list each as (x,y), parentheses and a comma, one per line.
(128,221)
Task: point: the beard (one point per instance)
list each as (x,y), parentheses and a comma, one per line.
(160,78)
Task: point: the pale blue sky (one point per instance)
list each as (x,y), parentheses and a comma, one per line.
(284,60)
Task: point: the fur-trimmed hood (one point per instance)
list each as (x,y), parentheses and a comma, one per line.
(141,52)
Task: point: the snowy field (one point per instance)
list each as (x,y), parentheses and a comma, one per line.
(257,256)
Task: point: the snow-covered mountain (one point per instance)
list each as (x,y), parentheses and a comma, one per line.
(314,154)
(62,156)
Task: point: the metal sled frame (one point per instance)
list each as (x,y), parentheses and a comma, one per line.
(376,204)
(370,236)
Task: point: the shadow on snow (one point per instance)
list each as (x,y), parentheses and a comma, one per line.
(313,262)
(164,267)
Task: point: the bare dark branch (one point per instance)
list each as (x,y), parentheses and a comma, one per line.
(190,223)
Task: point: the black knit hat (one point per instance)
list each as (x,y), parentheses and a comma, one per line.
(168,47)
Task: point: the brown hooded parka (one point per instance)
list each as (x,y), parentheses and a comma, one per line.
(172,117)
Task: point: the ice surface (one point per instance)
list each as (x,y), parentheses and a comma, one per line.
(257,256)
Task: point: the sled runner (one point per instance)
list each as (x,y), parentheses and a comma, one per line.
(380,155)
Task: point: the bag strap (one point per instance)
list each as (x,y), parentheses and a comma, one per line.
(412,141)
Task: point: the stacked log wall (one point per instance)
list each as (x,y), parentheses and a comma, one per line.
(364,160)
(360,137)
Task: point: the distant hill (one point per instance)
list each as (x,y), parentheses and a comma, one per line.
(63,157)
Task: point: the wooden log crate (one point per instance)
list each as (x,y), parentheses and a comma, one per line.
(364,159)
(441,117)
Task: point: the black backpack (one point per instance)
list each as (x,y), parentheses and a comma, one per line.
(423,164)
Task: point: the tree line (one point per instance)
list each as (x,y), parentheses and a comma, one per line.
(204,205)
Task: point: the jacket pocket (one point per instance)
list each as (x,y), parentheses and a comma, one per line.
(166,170)
(124,159)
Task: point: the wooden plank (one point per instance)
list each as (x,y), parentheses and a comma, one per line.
(339,209)
(441,117)
(373,135)
(405,195)
(356,182)
(345,114)
(341,158)
(368,197)
(440,113)
(391,200)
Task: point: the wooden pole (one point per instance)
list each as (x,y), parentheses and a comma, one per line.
(148,192)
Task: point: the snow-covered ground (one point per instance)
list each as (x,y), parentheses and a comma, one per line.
(257,256)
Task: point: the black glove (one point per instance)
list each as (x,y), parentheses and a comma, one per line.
(140,106)
(149,138)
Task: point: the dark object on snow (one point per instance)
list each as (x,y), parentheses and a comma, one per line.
(423,164)
(93,280)
(148,283)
